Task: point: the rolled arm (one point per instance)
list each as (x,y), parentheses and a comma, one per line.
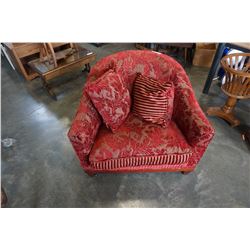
(100,68)
(190,118)
(84,128)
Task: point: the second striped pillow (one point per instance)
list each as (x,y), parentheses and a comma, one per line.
(153,100)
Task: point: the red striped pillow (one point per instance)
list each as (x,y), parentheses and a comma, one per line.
(153,100)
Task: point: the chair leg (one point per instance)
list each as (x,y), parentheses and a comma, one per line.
(225,112)
(91,174)
(186,172)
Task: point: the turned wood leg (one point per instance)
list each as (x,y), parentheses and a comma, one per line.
(229,105)
(225,112)
(49,89)
(87,67)
(3,197)
(186,172)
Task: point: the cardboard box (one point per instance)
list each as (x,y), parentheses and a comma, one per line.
(206,45)
(204,54)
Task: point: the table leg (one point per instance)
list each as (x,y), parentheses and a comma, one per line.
(87,67)
(216,61)
(49,89)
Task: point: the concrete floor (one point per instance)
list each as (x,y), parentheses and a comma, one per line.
(41,169)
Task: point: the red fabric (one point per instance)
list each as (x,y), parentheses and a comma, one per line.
(137,138)
(111,99)
(173,161)
(84,128)
(187,114)
(190,118)
(153,101)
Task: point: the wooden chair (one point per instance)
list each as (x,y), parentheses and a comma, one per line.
(236,85)
(48,53)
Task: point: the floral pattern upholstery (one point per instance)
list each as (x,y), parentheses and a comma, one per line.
(111,99)
(84,128)
(138,138)
(188,118)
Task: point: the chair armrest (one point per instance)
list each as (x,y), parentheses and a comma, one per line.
(190,118)
(84,128)
(100,68)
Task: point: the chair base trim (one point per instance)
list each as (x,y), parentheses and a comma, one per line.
(174,162)
(145,161)
(141,169)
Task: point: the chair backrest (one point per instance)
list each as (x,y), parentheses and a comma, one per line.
(48,52)
(128,63)
(152,64)
(237,75)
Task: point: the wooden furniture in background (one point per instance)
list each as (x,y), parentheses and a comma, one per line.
(52,63)
(245,47)
(236,86)
(186,49)
(22,53)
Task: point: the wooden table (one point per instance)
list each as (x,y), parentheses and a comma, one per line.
(21,53)
(245,47)
(47,70)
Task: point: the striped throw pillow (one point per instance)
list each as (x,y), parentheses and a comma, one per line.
(153,100)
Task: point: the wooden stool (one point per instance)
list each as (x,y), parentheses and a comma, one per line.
(236,85)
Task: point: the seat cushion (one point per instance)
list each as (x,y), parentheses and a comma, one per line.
(139,143)
(153,100)
(111,98)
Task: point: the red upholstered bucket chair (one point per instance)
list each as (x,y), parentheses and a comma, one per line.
(137,145)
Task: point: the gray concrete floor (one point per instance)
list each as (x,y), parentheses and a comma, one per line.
(42,170)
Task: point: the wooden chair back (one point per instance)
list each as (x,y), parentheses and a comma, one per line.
(48,53)
(237,75)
